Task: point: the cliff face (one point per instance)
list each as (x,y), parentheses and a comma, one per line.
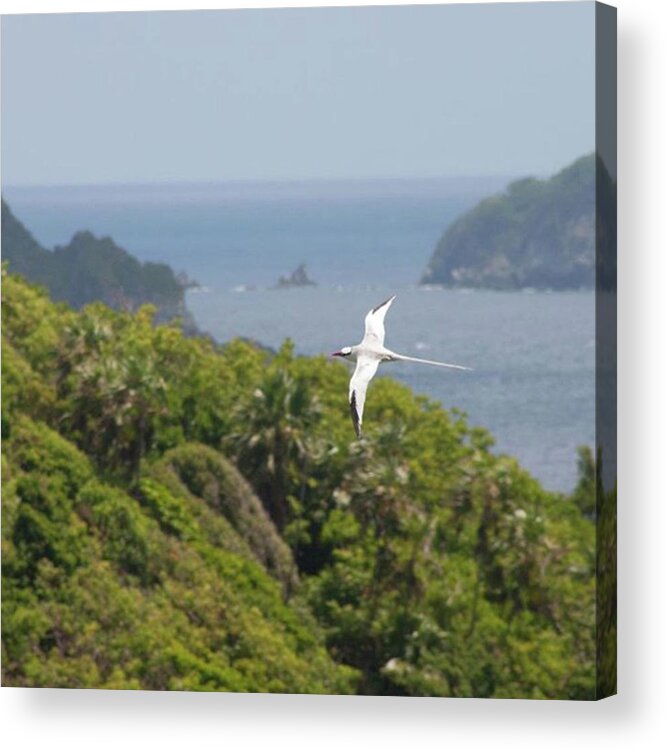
(538,233)
(91,269)
(24,254)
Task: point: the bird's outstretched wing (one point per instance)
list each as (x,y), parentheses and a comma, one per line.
(374,323)
(366,367)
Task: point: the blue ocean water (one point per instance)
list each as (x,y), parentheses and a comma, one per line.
(532,352)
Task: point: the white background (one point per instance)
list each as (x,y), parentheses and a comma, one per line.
(635,718)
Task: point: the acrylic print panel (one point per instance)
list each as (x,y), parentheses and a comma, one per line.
(198,209)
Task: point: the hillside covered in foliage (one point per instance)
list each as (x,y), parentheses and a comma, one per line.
(91,269)
(183,515)
(538,233)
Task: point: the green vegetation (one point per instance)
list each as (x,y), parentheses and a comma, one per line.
(538,233)
(91,269)
(183,515)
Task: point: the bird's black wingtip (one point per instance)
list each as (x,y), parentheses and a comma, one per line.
(354,415)
(385,302)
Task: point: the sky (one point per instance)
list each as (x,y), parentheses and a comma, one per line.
(288,94)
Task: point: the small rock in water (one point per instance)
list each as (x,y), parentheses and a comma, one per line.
(299,277)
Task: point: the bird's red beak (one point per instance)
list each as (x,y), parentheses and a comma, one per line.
(336,354)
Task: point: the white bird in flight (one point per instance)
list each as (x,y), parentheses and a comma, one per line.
(368,355)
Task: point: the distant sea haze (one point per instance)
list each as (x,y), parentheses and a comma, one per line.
(532,353)
(245,233)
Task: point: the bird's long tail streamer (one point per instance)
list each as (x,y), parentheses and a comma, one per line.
(403,358)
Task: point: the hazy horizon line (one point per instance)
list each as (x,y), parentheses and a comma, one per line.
(518,174)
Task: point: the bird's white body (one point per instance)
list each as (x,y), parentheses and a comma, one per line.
(369,354)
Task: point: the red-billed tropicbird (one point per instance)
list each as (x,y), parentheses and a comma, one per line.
(368,355)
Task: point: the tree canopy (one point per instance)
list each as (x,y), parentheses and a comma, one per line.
(179,514)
